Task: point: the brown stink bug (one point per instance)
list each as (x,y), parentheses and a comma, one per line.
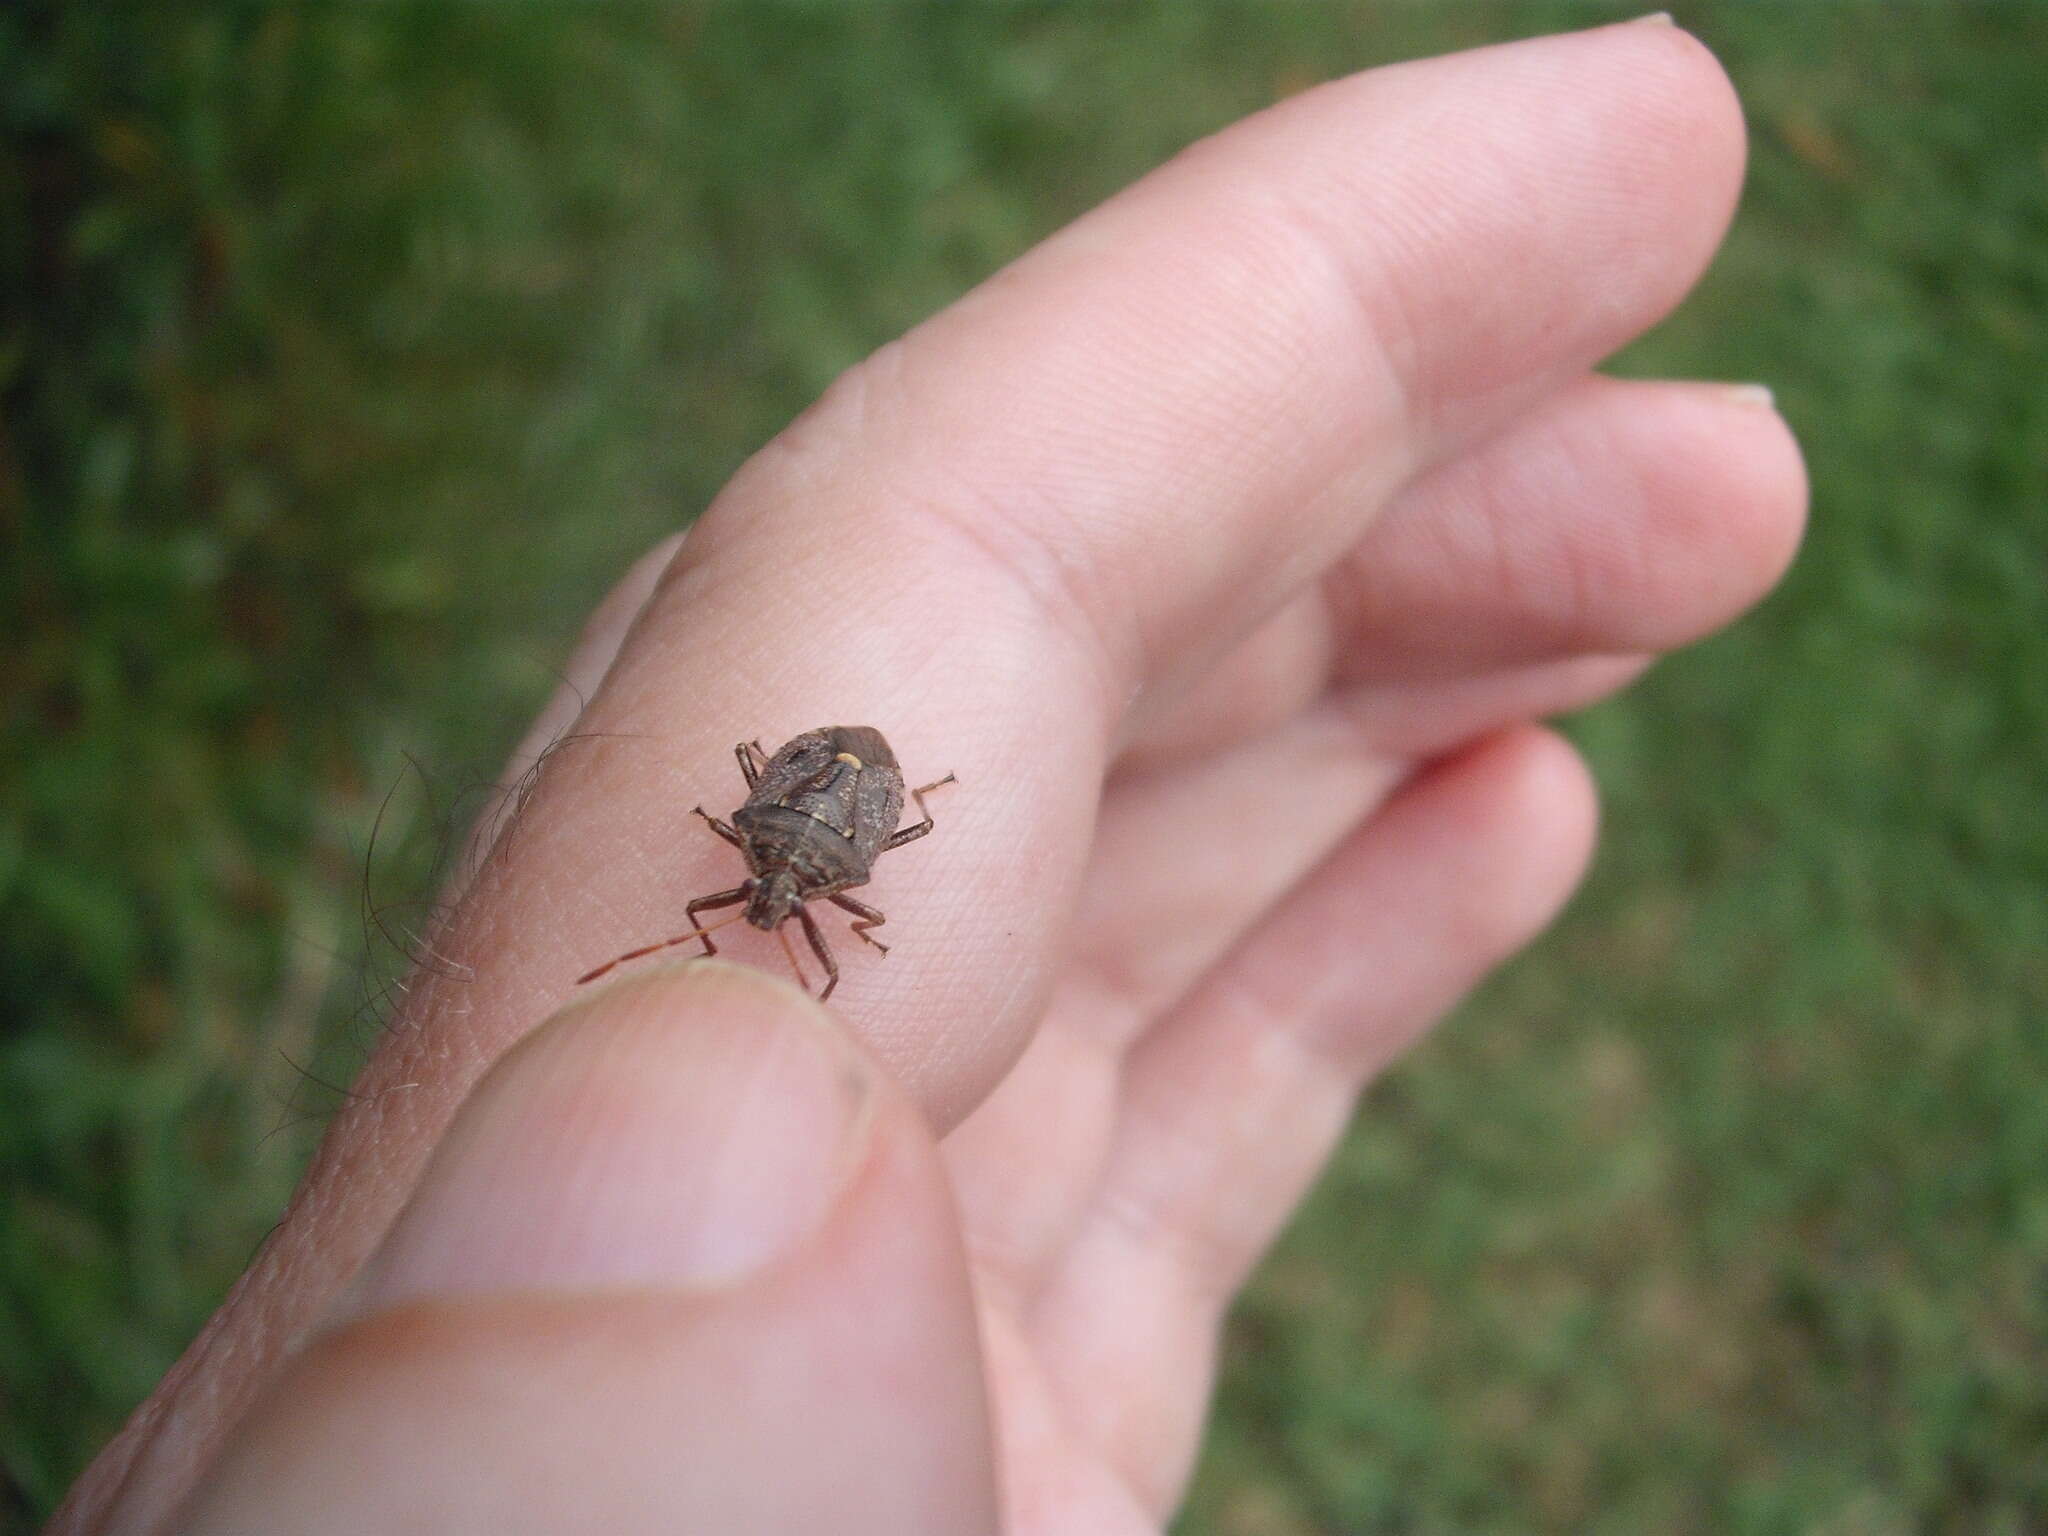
(817,815)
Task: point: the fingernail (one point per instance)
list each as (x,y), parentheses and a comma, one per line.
(1752,394)
(684,1129)
(1656,19)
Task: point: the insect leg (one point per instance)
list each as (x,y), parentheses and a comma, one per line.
(705,903)
(911,834)
(648,949)
(747,768)
(818,948)
(719,827)
(865,917)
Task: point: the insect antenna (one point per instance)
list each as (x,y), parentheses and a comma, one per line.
(681,938)
(782,933)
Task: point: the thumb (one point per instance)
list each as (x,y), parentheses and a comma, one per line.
(686,1260)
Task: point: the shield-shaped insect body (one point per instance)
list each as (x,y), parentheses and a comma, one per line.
(818,813)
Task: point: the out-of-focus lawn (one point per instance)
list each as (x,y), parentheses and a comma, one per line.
(348,354)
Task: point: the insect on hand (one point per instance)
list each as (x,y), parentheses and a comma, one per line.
(816,816)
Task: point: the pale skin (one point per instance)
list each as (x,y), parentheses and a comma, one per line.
(1228,547)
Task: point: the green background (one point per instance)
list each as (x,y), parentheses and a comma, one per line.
(349,354)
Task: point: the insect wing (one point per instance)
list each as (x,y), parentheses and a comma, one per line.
(877,789)
(878,794)
(842,776)
(795,765)
(861,741)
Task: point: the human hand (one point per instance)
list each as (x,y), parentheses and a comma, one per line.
(1225,546)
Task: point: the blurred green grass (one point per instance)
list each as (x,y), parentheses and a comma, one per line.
(347,355)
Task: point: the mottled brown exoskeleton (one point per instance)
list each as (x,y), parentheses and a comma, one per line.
(817,815)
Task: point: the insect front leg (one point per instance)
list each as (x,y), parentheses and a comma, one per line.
(820,949)
(719,827)
(865,917)
(707,903)
(911,834)
(693,932)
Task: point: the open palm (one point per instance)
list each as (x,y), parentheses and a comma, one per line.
(1226,547)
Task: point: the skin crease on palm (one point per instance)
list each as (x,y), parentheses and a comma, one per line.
(1226,546)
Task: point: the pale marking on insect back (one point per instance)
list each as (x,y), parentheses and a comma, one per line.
(850,760)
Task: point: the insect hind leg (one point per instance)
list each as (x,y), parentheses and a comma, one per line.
(748,770)
(911,834)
